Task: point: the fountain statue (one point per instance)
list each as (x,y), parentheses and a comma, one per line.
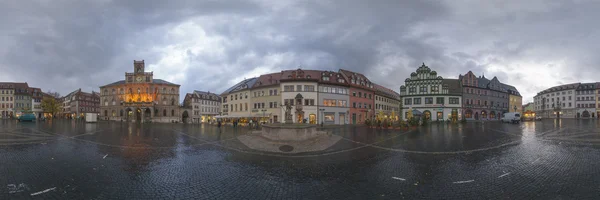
(294,137)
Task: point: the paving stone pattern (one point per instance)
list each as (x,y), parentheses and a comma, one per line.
(112,160)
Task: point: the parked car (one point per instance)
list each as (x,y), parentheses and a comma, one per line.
(512,117)
(538,117)
(27,117)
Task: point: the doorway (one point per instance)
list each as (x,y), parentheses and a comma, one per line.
(312,119)
(184,116)
(353,118)
(138,115)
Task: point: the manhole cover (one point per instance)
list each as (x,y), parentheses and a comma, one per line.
(286,148)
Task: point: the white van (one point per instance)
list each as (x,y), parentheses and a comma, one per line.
(512,117)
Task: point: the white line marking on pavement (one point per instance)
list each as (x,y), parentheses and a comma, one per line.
(399,178)
(41,192)
(460,182)
(104,156)
(535,161)
(503,175)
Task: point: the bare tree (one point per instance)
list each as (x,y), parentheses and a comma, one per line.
(53,94)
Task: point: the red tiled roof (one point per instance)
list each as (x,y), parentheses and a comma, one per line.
(268,80)
(348,76)
(288,75)
(388,92)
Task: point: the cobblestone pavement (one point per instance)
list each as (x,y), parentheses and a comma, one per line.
(113,160)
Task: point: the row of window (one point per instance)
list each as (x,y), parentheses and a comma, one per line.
(361,105)
(586,105)
(262,93)
(429,100)
(307,102)
(7,91)
(7,99)
(205,102)
(387,100)
(586,98)
(363,95)
(424,89)
(335,103)
(485,103)
(386,107)
(262,105)
(334,90)
(20,105)
(6,105)
(245,96)
(587,92)
(298,88)
(484,92)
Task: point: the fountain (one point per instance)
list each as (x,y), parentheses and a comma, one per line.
(290,137)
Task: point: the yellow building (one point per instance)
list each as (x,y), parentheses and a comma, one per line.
(515,101)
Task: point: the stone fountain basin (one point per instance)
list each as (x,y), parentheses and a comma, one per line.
(290,132)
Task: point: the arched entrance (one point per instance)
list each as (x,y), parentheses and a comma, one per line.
(483,114)
(468,114)
(129,114)
(585,114)
(147,114)
(138,115)
(493,115)
(427,115)
(578,115)
(184,116)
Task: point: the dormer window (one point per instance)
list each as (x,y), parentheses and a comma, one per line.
(325,78)
(308,76)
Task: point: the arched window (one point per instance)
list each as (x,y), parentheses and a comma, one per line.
(105,113)
(172,90)
(105,91)
(130,91)
(114,113)
(172,113)
(165,113)
(173,101)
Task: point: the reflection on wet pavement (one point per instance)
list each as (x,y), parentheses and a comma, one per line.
(533,160)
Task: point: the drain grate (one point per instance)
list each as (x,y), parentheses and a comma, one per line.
(286,148)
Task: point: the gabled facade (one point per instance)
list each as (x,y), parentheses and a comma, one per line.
(362,93)
(430,95)
(266,98)
(484,99)
(299,89)
(7,101)
(77,103)
(334,97)
(585,99)
(204,106)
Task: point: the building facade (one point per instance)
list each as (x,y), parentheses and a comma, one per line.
(237,99)
(36,102)
(266,98)
(549,103)
(77,103)
(299,89)
(333,99)
(387,103)
(140,97)
(585,99)
(361,92)
(431,96)
(485,99)
(7,102)
(205,106)
(22,99)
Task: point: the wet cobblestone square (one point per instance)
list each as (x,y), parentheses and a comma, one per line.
(112,160)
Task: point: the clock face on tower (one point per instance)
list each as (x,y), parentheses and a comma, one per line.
(139,79)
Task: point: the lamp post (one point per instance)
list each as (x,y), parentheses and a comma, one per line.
(322,115)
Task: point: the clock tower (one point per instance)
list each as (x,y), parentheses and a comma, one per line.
(139,74)
(138,67)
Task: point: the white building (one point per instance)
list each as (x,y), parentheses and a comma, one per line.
(299,89)
(7,100)
(205,106)
(431,96)
(558,101)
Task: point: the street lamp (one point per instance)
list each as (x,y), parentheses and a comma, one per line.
(322,115)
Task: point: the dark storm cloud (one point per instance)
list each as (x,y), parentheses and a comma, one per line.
(64,45)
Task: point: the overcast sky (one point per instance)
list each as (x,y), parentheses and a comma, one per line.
(62,45)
